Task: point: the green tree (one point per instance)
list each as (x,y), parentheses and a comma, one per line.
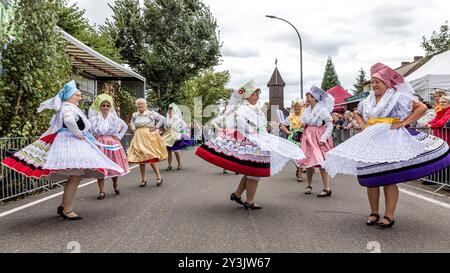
(126,30)
(210,87)
(167,41)
(72,19)
(125,100)
(360,80)
(36,68)
(438,42)
(330,78)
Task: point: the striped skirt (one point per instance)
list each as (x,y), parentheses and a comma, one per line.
(435,158)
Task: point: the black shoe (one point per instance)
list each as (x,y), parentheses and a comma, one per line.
(383,225)
(159,183)
(324,193)
(169,168)
(252,206)
(308,190)
(238,200)
(372,223)
(70,218)
(101,196)
(143,184)
(60,210)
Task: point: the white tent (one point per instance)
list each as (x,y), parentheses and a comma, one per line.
(433,74)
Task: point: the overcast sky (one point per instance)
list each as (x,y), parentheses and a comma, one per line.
(355,34)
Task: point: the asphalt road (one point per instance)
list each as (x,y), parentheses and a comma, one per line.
(191,212)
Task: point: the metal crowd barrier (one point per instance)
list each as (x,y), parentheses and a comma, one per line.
(12,183)
(15,185)
(442,177)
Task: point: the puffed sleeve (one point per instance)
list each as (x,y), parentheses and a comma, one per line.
(161,120)
(286,122)
(70,119)
(361,105)
(183,127)
(133,121)
(123,128)
(326,117)
(242,125)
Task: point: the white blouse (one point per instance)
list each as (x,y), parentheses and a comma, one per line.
(392,104)
(147,119)
(177,124)
(68,114)
(111,126)
(319,116)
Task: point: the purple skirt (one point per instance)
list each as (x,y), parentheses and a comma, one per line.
(183,143)
(433,160)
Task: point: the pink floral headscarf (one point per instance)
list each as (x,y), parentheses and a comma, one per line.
(389,76)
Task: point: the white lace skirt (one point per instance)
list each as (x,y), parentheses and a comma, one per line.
(281,150)
(72,156)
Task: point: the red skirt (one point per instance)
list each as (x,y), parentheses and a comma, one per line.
(236,153)
(30,160)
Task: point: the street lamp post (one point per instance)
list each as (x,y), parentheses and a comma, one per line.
(301,62)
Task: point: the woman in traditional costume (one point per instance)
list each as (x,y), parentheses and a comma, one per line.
(385,152)
(66,151)
(109,129)
(147,145)
(176,136)
(294,121)
(245,147)
(316,139)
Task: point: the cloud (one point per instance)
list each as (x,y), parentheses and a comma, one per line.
(240,51)
(355,35)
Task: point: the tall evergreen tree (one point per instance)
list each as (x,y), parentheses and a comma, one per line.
(360,80)
(330,78)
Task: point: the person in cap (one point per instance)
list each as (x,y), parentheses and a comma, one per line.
(66,151)
(294,133)
(108,129)
(386,152)
(244,146)
(147,146)
(317,140)
(176,136)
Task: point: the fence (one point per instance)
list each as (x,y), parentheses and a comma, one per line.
(14,184)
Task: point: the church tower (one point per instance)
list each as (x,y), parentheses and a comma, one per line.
(276,95)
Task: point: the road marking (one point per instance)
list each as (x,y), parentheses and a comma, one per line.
(427,191)
(431,200)
(48,198)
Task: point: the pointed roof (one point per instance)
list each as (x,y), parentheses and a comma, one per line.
(339,94)
(276,79)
